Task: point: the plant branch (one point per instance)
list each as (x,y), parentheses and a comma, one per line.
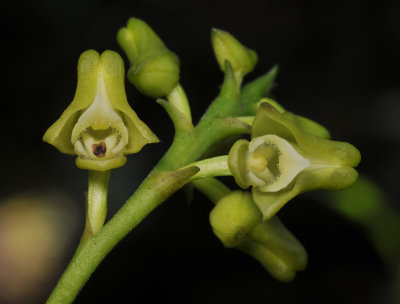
(90,253)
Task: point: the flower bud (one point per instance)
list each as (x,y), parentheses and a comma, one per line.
(238,223)
(154,68)
(283,160)
(99,126)
(227,47)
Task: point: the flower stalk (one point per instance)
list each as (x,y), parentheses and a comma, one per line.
(96,203)
(211,167)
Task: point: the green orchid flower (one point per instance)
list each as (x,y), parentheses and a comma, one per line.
(99,126)
(284,159)
(238,223)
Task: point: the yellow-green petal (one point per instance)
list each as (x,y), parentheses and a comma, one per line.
(59,134)
(269,121)
(114,74)
(327,178)
(270,203)
(304,123)
(309,126)
(276,248)
(237,162)
(100,165)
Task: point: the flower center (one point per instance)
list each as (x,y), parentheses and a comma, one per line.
(100,132)
(99,149)
(104,144)
(258,162)
(263,163)
(273,163)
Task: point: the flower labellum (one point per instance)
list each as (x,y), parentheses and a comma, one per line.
(99,126)
(283,160)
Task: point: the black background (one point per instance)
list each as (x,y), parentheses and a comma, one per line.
(339,65)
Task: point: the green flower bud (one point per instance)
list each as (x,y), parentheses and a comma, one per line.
(238,223)
(154,68)
(99,126)
(283,160)
(227,47)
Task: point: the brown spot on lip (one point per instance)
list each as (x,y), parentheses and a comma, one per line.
(99,149)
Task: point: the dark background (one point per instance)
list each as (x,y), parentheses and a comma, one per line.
(339,65)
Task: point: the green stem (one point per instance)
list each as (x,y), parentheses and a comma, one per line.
(96,205)
(90,253)
(212,188)
(190,146)
(210,167)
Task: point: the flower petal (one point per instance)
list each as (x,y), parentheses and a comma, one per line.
(269,121)
(327,178)
(237,162)
(270,203)
(100,165)
(59,134)
(139,132)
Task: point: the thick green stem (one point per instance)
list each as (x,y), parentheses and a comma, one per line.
(90,253)
(190,146)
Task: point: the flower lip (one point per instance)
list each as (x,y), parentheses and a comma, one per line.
(100,164)
(273,163)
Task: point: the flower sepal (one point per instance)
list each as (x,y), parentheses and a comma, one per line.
(307,125)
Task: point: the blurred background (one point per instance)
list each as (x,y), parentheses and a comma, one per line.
(339,63)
